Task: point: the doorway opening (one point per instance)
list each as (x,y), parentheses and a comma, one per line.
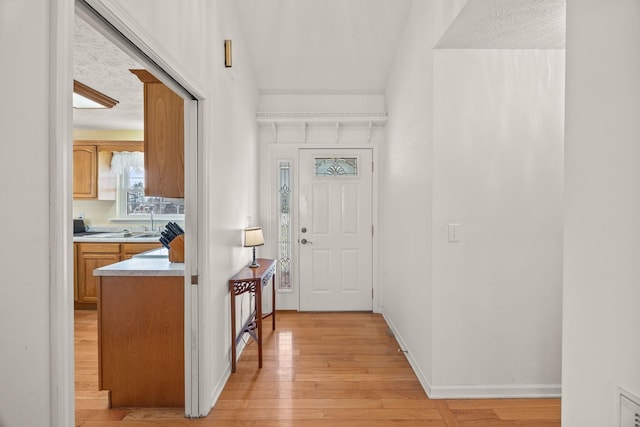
(101,21)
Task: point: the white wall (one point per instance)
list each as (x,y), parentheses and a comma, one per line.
(230,146)
(24,253)
(406,191)
(498,171)
(406,184)
(473,138)
(601,319)
(193,38)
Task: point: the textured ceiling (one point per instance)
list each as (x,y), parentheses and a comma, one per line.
(100,64)
(322,45)
(508,24)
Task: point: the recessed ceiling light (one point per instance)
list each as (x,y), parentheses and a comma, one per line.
(85,97)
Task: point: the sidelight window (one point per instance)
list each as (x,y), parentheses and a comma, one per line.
(284,226)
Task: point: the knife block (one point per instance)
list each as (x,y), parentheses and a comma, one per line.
(176,249)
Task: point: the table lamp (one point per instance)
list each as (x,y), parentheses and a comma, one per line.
(252,238)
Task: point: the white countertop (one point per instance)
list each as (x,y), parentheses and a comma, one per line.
(90,239)
(151,263)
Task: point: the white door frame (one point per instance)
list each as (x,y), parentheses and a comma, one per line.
(62,390)
(271,154)
(309,154)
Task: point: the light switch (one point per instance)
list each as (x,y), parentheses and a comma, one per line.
(454,232)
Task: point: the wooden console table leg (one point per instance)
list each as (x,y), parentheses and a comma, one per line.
(273,302)
(259,320)
(233,331)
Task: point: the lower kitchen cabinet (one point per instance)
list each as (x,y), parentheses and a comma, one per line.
(131,249)
(89,256)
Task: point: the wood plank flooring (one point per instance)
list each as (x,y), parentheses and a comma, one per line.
(319,369)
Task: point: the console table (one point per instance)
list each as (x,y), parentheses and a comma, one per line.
(252,280)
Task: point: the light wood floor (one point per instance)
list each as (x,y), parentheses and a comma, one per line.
(320,369)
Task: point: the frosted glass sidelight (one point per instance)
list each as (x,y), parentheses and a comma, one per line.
(284,226)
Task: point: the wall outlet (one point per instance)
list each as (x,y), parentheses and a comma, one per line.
(454,232)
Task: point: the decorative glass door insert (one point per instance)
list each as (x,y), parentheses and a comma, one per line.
(332,166)
(284,226)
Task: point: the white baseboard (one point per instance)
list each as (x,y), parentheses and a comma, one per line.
(222,381)
(508,391)
(216,392)
(489,391)
(414,364)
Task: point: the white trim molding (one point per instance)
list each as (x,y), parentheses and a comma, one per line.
(505,391)
(323,127)
(62,403)
(319,117)
(485,391)
(422,378)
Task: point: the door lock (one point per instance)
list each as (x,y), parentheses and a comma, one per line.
(304,229)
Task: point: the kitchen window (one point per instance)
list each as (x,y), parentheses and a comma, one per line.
(132,202)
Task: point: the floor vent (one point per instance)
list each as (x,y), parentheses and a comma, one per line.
(629,411)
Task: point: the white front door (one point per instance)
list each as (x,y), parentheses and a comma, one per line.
(335,235)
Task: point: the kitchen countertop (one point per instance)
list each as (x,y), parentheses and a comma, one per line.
(151,263)
(97,238)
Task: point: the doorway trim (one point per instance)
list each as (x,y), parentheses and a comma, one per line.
(271,154)
(117,26)
(334,297)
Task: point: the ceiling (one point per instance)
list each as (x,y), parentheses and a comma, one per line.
(507,24)
(313,46)
(322,46)
(100,64)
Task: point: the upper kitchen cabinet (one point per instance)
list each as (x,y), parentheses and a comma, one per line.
(163,138)
(92,175)
(85,172)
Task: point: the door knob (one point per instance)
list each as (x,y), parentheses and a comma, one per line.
(305,241)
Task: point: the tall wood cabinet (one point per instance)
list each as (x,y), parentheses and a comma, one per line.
(85,172)
(163,138)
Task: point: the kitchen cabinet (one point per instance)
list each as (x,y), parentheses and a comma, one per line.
(131,249)
(141,340)
(163,138)
(85,172)
(89,256)
(141,333)
(92,176)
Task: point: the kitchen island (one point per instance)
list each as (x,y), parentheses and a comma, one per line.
(141,331)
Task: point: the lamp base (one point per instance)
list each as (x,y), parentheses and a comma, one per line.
(254,264)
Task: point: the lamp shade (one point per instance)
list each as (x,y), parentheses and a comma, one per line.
(253,237)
